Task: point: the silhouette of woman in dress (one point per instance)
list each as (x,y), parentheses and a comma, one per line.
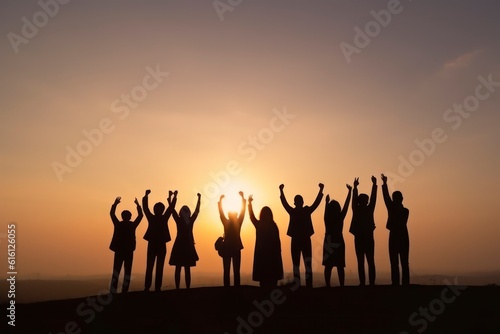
(333,245)
(183,252)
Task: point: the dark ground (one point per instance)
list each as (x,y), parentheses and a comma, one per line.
(381,309)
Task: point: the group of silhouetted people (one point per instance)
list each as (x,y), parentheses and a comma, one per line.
(157,235)
(268,264)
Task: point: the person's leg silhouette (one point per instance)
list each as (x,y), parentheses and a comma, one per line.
(226,262)
(370,258)
(150,262)
(405,266)
(187,276)
(160,263)
(128,259)
(177,276)
(341,273)
(236,268)
(328,275)
(360,256)
(117,267)
(307,256)
(393,257)
(295,249)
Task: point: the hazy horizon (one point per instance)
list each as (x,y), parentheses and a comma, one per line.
(38,290)
(110,99)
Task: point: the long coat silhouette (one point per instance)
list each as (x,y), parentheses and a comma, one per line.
(268,264)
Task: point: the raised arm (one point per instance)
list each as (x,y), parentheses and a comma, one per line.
(197,209)
(373,196)
(243,208)
(221,211)
(287,206)
(139,213)
(145,204)
(327,201)
(355,193)
(112,212)
(346,203)
(385,192)
(318,199)
(253,219)
(172,201)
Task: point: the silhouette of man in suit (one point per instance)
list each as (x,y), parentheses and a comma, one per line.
(123,244)
(399,241)
(157,236)
(300,229)
(362,227)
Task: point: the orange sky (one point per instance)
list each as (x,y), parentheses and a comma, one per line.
(266,91)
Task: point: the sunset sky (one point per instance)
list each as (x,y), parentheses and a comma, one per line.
(198,96)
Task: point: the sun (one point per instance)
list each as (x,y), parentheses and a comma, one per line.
(232,198)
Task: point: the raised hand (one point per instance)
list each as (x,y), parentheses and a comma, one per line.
(136,202)
(282,186)
(170,193)
(321,186)
(241,194)
(348,186)
(148,192)
(250,198)
(199,195)
(374,180)
(356,181)
(221,197)
(327,198)
(175,193)
(384,178)
(118,199)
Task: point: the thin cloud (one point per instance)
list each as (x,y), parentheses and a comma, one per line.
(458,63)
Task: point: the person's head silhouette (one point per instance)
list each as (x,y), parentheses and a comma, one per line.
(363,199)
(397,197)
(298,201)
(185,213)
(126,215)
(334,207)
(159,208)
(266,214)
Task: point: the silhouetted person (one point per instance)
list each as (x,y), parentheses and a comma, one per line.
(267,262)
(157,236)
(123,244)
(334,245)
(399,241)
(183,252)
(232,240)
(300,230)
(362,227)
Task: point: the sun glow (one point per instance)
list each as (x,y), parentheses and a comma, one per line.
(232,198)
